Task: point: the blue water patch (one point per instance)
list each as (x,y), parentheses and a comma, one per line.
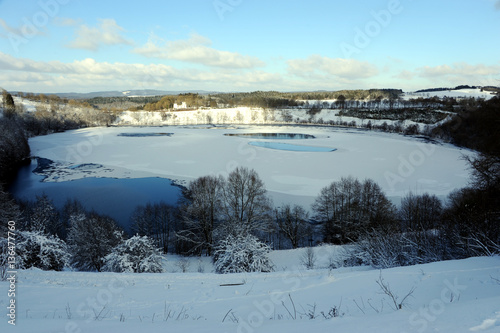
(273,136)
(290,147)
(114,197)
(142,135)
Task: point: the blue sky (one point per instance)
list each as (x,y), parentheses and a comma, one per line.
(246,45)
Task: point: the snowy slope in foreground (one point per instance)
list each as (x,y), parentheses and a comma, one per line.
(452,296)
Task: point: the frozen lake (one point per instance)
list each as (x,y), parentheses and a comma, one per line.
(397,163)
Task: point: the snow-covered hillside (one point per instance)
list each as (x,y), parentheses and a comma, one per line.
(452,296)
(28,106)
(245,115)
(460,93)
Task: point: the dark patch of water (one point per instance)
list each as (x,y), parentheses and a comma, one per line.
(110,196)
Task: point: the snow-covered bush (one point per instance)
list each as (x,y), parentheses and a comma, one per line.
(348,256)
(36,249)
(242,253)
(135,255)
(90,239)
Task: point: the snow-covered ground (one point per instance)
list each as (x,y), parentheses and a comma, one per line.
(399,164)
(461,93)
(452,296)
(29,106)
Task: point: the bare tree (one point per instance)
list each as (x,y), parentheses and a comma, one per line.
(246,206)
(292,223)
(348,208)
(485,170)
(155,221)
(201,212)
(420,212)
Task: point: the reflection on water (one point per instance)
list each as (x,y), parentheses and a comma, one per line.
(280,136)
(110,196)
(290,147)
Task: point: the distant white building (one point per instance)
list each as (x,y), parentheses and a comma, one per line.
(182,106)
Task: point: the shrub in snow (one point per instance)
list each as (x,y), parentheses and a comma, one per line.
(242,253)
(308,258)
(35,249)
(90,239)
(135,255)
(347,256)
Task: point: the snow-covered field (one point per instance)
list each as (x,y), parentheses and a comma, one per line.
(451,296)
(399,164)
(461,93)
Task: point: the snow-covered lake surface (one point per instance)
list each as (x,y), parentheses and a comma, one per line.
(451,296)
(399,164)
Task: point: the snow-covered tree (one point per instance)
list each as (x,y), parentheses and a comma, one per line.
(135,255)
(91,238)
(44,216)
(243,253)
(36,249)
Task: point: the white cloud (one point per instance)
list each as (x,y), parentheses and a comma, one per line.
(92,38)
(90,75)
(480,74)
(196,49)
(317,66)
